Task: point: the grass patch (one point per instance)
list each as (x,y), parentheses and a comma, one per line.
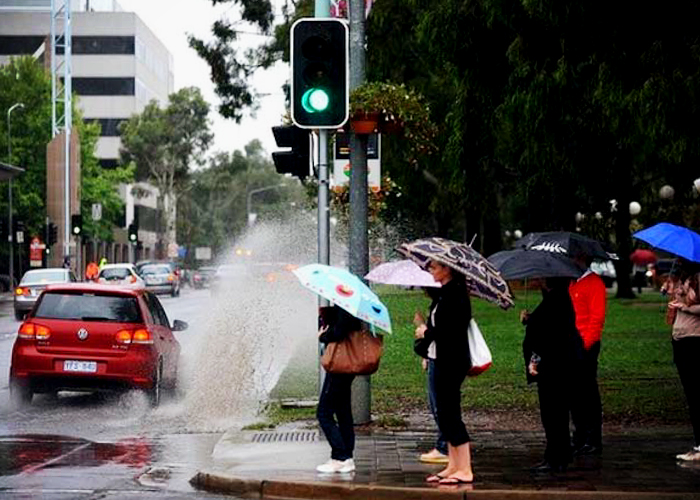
(638,380)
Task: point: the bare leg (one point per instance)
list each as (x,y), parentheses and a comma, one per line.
(462,470)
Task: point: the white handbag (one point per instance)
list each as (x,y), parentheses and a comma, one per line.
(478,351)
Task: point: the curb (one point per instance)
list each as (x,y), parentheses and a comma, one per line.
(265,489)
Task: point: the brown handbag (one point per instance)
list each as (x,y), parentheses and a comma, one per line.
(357,354)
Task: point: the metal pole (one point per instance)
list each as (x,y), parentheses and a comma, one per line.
(358,248)
(10,231)
(67,102)
(254,191)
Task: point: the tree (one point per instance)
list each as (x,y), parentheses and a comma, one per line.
(163,144)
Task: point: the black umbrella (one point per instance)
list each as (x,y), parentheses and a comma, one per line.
(482,279)
(565,243)
(522,264)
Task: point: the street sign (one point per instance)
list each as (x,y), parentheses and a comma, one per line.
(35,252)
(20,236)
(202,253)
(172,250)
(96,211)
(341,162)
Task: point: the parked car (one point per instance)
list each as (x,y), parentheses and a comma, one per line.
(88,337)
(160,278)
(202,276)
(606,270)
(120,274)
(33,283)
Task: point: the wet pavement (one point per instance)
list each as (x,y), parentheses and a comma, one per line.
(637,463)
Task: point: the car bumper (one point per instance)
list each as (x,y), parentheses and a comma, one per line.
(44,371)
(25,304)
(162,288)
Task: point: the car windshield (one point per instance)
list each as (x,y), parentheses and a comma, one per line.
(40,277)
(89,307)
(155,270)
(115,273)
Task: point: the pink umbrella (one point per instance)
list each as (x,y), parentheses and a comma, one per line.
(402,272)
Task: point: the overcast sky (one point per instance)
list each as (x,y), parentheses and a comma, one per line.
(171,21)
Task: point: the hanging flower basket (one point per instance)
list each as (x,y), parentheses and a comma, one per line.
(364,122)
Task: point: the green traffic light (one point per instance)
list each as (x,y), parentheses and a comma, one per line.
(315,100)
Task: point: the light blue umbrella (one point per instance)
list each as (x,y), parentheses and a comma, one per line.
(677,240)
(347,291)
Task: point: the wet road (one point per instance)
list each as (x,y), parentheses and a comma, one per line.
(84,446)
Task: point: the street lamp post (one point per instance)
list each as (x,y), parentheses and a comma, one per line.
(250,195)
(11,236)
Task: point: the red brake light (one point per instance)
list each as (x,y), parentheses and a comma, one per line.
(26,331)
(133,278)
(142,336)
(123,337)
(30,331)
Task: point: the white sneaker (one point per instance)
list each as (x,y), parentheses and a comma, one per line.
(348,466)
(692,456)
(337,466)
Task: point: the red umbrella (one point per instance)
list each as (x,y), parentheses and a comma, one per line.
(643,257)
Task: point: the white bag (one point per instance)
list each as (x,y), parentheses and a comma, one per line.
(478,351)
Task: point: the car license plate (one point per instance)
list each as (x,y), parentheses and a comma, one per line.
(80,366)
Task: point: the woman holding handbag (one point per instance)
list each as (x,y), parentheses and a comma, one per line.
(447,325)
(335,399)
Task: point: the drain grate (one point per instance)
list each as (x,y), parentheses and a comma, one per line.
(278,437)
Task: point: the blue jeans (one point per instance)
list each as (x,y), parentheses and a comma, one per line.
(335,401)
(441,443)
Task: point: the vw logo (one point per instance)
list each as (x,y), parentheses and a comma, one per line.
(82,334)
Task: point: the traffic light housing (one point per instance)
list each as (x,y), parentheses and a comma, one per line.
(133,232)
(52,234)
(319,57)
(296,161)
(76,224)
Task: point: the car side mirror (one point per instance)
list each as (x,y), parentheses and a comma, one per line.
(179,325)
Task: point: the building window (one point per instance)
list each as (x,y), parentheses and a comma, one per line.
(103,45)
(147,218)
(19,45)
(109,126)
(104,86)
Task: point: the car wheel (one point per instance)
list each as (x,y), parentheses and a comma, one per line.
(20,393)
(154,392)
(19,315)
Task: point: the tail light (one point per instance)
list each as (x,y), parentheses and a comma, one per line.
(142,336)
(21,291)
(139,336)
(31,331)
(133,278)
(171,277)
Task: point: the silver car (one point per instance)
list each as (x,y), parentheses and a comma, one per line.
(33,283)
(160,278)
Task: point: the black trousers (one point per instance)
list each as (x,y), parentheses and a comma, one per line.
(686,353)
(586,408)
(335,403)
(554,392)
(448,402)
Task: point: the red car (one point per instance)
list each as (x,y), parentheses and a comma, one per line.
(87,337)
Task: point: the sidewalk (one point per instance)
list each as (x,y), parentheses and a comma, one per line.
(638,464)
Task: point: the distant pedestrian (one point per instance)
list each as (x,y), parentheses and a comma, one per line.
(334,411)
(447,324)
(103,262)
(686,347)
(553,351)
(66,262)
(588,296)
(426,349)
(92,271)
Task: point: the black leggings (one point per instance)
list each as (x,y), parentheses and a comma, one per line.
(448,399)
(686,353)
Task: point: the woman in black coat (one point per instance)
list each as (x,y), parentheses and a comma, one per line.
(553,350)
(448,321)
